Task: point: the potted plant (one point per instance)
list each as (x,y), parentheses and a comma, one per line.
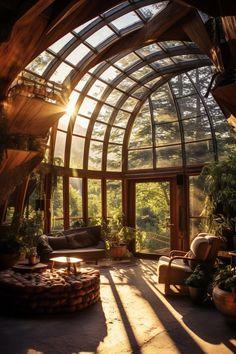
(30,231)
(224,290)
(220,199)
(118,237)
(197,283)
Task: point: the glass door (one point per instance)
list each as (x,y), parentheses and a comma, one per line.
(153,216)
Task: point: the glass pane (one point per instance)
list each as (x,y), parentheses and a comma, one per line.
(83,82)
(126,20)
(140,92)
(114,157)
(151,83)
(114,197)
(87,107)
(127,61)
(149,49)
(126,84)
(105,113)
(141,133)
(114,97)
(99,130)
(97,89)
(58,45)
(140,159)
(63,122)
(198,153)
(94,198)
(153,216)
(195,226)
(167,133)
(122,119)
(196,196)
(163,105)
(81,125)
(196,129)
(40,63)
(78,54)
(140,73)
(75,199)
(77,152)
(61,73)
(169,156)
(162,63)
(100,36)
(110,74)
(130,104)
(191,106)
(116,135)
(57,206)
(59,150)
(182,86)
(95,155)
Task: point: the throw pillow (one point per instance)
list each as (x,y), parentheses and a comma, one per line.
(58,243)
(43,246)
(81,239)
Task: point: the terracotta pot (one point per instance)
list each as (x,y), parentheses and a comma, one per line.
(118,251)
(224,301)
(197,295)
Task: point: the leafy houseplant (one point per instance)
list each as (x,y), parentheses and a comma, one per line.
(30,230)
(197,283)
(220,198)
(224,290)
(118,237)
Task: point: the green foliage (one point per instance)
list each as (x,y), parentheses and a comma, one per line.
(225,279)
(220,196)
(115,233)
(30,231)
(198,278)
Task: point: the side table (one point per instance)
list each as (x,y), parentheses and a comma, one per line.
(70,261)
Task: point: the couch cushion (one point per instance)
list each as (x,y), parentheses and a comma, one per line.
(43,246)
(81,239)
(58,242)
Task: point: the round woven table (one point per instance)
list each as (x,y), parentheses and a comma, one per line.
(48,292)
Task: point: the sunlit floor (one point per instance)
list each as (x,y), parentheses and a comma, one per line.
(132,317)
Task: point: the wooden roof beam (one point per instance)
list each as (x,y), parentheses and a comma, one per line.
(212,7)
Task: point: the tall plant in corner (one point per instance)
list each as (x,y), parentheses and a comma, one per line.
(220,198)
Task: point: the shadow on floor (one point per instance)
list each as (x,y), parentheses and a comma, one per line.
(56,334)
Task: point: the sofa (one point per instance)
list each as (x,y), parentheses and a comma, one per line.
(84,242)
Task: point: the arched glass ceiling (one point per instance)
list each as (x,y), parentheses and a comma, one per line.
(140,109)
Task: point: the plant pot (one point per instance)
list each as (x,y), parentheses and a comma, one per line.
(224,301)
(197,295)
(8,260)
(118,252)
